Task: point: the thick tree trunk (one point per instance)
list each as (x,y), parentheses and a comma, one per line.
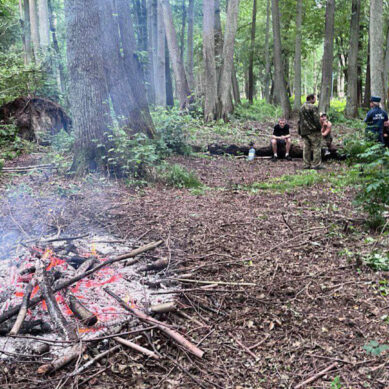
(44,32)
(218,38)
(183,27)
(168,76)
(189,62)
(376,48)
(124,103)
(224,87)
(149,72)
(160,76)
(34,28)
(352,70)
(210,99)
(297,56)
(386,68)
(182,88)
(326,79)
(88,94)
(278,65)
(27,32)
(252,50)
(132,65)
(235,86)
(267,55)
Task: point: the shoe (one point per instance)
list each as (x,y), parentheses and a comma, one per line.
(274,158)
(288,158)
(319,168)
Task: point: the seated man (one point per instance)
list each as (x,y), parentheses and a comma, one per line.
(326,127)
(280,137)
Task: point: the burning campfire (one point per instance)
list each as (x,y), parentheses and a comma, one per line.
(69,295)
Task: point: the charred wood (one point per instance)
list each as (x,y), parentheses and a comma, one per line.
(81,312)
(23,310)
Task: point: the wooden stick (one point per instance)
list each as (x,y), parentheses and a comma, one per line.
(245,348)
(316,376)
(168,331)
(55,365)
(213,282)
(13,311)
(23,310)
(162,308)
(136,347)
(81,312)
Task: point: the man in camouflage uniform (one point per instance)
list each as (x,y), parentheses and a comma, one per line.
(310,130)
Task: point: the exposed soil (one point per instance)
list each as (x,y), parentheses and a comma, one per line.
(311,306)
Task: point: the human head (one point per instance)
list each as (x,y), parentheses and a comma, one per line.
(311,98)
(375,101)
(323,117)
(282,122)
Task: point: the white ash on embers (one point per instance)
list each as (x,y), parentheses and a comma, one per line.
(64,260)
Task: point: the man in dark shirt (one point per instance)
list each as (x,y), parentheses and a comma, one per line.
(281,137)
(375,119)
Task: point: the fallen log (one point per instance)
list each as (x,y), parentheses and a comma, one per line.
(23,310)
(81,312)
(13,311)
(168,331)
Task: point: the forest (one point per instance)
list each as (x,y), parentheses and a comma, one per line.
(194,194)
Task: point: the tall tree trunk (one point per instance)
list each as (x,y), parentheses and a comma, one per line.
(58,55)
(235,86)
(168,76)
(160,77)
(210,99)
(124,103)
(376,48)
(352,70)
(189,62)
(386,68)
(183,27)
(326,79)
(182,88)
(28,55)
(367,94)
(44,32)
(267,54)
(252,49)
(88,94)
(224,87)
(34,27)
(297,56)
(279,78)
(218,39)
(149,72)
(132,65)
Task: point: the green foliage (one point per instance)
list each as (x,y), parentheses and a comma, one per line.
(11,145)
(336,384)
(179,177)
(378,261)
(259,110)
(374,348)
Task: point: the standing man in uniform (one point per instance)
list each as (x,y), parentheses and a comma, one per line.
(309,128)
(375,120)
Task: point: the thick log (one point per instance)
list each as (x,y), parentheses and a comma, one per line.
(163,327)
(81,312)
(23,310)
(13,311)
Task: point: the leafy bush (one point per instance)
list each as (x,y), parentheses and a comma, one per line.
(378,261)
(11,145)
(179,177)
(260,110)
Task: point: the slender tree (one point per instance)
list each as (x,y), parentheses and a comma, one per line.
(182,88)
(149,71)
(168,77)
(25,10)
(183,27)
(376,48)
(189,61)
(326,79)
(279,79)
(34,27)
(352,71)
(160,76)
(91,119)
(386,68)
(267,54)
(44,31)
(367,95)
(297,56)
(210,99)
(252,50)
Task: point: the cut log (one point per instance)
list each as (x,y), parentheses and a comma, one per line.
(163,308)
(163,327)
(35,117)
(14,310)
(23,310)
(81,312)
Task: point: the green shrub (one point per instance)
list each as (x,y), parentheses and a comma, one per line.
(378,261)
(260,110)
(11,145)
(179,177)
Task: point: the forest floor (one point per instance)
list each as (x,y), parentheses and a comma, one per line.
(299,239)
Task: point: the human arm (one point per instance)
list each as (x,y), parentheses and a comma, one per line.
(326,129)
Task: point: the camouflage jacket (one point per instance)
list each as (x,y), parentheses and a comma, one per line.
(309,119)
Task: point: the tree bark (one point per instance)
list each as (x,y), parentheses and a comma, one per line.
(218,39)
(326,79)
(210,99)
(183,26)
(297,56)
(252,50)
(224,108)
(168,76)
(352,70)
(88,94)
(34,28)
(160,79)
(366,97)
(27,33)
(279,78)
(44,32)
(132,65)
(149,73)
(235,86)
(182,88)
(189,66)
(267,54)
(376,48)
(386,68)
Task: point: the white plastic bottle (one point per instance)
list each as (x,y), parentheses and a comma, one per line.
(251,154)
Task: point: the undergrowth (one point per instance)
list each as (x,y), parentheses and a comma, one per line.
(179,177)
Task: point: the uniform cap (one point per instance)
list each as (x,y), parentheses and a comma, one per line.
(375,99)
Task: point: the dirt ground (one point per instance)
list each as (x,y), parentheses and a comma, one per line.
(312,305)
